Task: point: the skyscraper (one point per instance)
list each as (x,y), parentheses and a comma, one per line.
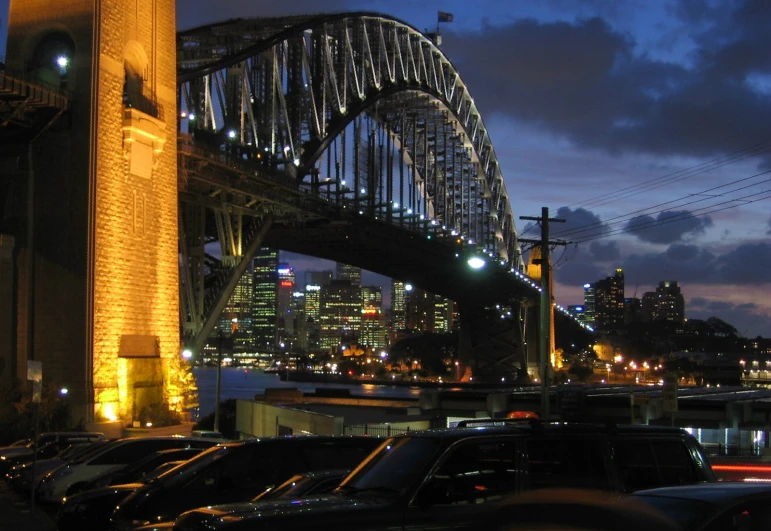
(670,303)
(265,304)
(284,317)
(398,304)
(589,304)
(609,302)
(239,310)
(372,329)
(340,314)
(349,272)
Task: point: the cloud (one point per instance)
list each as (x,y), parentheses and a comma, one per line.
(745,317)
(769,227)
(605,252)
(667,227)
(747,264)
(579,223)
(589,83)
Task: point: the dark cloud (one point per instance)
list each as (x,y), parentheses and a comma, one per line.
(579,223)
(667,227)
(587,82)
(749,263)
(578,273)
(605,252)
(684,262)
(769,227)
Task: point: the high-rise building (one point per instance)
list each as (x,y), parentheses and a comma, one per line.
(398,304)
(419,310)
(579,312)
(349,272)
(340,315)
(313,316)
(609,302)
(589,304)
(237,316)
(648,306)
(318,278)
(670,303)
(285,319)
(443,314)
(372,330)
(265,305)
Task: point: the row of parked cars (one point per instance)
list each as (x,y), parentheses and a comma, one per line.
(480,474)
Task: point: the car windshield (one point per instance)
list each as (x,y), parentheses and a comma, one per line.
(397,465)
(190,467)
(686,512)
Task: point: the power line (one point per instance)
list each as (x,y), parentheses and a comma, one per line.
(679,175)
(629,216)
(681,217)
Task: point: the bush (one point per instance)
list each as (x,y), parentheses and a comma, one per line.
(159,415)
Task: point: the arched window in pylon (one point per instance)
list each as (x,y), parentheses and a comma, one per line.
(52,60)
(135,93)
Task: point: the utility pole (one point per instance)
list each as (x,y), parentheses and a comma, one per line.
(545,313)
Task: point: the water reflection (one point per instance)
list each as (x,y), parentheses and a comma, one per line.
(243,383)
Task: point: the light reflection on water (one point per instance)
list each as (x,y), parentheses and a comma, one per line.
(244,383)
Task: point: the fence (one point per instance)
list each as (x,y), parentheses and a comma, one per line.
(378,430)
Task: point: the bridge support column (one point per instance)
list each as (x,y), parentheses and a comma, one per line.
(105,297)
(490,347)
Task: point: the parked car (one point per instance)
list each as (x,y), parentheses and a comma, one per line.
(299,485)
(237,471)
(450,478)
(72,476)
(721,506)
(137,471)
(91,509)
(64,438)
(20,476)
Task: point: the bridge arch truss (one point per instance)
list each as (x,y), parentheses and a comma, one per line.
(358,112)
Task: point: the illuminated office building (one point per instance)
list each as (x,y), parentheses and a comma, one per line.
(398,304)
(340,315)
(443,314)
(313,316)
(609,302)
(236,318)
(372,331)
(265,304)
(284,317)
(349,272)
(589,304)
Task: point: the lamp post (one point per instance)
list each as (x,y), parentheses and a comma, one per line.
(220,337)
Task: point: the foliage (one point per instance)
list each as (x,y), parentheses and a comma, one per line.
(182,389)
(430,349)
(227,420)
(17,411)
(581,371)
(159,415)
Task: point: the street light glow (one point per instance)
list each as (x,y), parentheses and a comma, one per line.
(62,61)
(187,353)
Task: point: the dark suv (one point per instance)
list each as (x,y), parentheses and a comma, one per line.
(449,478)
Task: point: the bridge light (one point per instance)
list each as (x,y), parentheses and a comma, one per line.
(191,117)
(187,353)
(409,211)
(231,134)
(476,262)
(297,162)
(408,287)
(396,205)
(183,114)
(363,191)
(63,391)
(62,61)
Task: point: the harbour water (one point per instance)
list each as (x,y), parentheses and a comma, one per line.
(244,383)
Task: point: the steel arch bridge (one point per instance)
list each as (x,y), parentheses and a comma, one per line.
(345,136)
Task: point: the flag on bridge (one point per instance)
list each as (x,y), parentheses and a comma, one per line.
(445,17)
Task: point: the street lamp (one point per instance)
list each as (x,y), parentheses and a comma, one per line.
(187,353)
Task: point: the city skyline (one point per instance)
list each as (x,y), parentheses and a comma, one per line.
(666,103)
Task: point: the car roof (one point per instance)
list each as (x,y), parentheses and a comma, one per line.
(530,427)
(716,492)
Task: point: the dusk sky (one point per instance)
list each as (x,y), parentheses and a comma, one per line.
(645,124)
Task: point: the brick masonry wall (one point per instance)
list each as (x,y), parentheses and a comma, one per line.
(129,241)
